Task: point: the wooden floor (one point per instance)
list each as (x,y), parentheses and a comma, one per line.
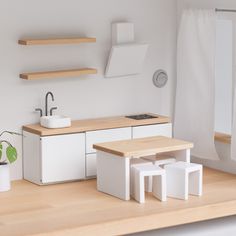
(78,209)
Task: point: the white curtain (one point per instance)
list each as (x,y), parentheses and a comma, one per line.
(194,110)
(233,139)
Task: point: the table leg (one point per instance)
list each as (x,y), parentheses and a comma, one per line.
(113,175)
(182,155)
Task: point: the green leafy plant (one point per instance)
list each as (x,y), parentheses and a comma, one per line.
(11,152)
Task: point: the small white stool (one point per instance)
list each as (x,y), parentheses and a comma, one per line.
(159,181)
(148,180)
(158,161)
(183,178)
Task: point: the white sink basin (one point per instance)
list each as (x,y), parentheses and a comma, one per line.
(53,122)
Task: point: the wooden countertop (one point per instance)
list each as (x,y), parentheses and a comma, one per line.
(78,209)
(143,146)
(95,124)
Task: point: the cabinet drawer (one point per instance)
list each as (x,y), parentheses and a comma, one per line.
(152,130)
(91,165)
(109,135)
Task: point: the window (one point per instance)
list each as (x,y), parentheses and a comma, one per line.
(224,76)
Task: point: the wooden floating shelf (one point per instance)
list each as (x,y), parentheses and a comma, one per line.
(224,138)
(56,41)
(58,74)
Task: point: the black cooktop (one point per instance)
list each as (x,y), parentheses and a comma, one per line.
(141,117)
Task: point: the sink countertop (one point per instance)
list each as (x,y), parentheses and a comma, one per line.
(78,126)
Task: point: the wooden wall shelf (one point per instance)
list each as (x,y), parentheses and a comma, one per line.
(56,41)
(224,138)
(58,74)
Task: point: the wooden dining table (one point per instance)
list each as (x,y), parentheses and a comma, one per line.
(113,160)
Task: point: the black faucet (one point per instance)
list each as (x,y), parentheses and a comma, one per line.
(46,102)
(52,109)
(39,110)
(46,106)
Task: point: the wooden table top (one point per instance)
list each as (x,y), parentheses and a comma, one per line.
(143,146)
(79,126)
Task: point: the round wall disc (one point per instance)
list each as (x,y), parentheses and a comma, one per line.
(160,78)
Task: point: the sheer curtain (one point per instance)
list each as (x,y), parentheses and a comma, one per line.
(194,110)
(233,139)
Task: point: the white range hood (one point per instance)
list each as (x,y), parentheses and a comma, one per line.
(126,57)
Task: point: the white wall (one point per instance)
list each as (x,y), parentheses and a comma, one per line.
(206,4)
(87,97)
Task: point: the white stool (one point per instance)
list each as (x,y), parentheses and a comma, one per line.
(159,182)
(148,180)
(183,178)
(158,161)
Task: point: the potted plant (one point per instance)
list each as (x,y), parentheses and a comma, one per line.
(8,155)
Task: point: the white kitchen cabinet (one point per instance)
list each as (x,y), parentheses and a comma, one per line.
(91,165)
(32,157)
(108,135)
(67,157)
(53,159)
(63,157)
(100,136)
(152,130)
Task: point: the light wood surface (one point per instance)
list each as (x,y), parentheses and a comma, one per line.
(57,74)
(95,124)
(79,209)
(50,41)
(143,146)
(224,138)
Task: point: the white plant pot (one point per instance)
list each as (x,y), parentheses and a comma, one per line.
(5,183)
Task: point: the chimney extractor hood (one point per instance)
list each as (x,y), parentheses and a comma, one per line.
(126,57)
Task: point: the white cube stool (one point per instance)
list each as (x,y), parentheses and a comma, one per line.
(183,178)
(159,182)
(148,179)
(158,161)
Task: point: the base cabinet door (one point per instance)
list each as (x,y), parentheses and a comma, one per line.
(63,158)
(91,165)
(152,130)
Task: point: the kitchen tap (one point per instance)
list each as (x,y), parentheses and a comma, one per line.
(46,102)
